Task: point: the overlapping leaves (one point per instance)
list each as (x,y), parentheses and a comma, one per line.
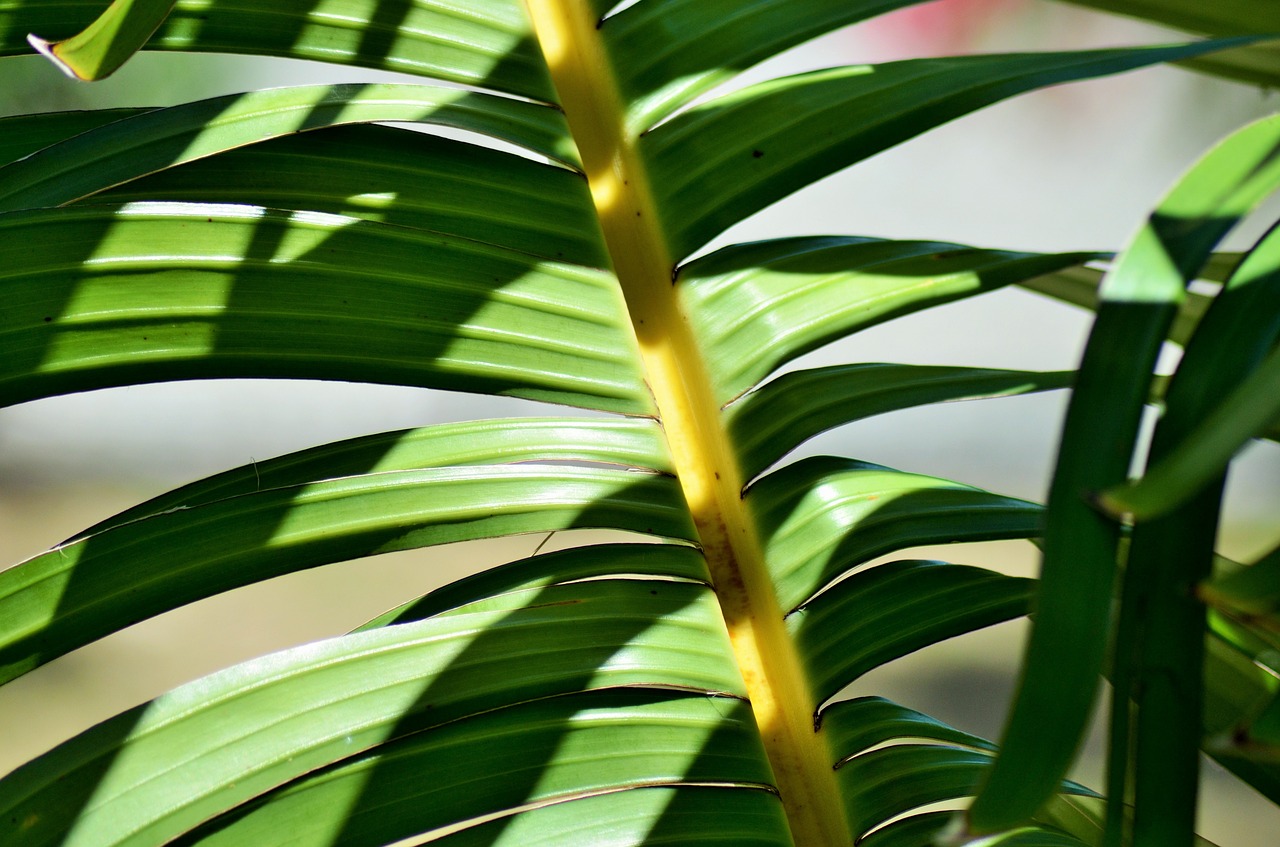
(285,234)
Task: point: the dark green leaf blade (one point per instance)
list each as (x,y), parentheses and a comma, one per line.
(702,815)
(782,414)
(665,54)
(1257,63)
(151,141)
(888,611)
(717,163)
(1139,299)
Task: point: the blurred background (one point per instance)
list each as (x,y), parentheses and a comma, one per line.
(1075,167)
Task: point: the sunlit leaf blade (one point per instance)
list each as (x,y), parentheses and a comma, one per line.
(823,516)
(780,415)
(99,296)
(702,815)
(560,748)
(1139,299)
(399,177)
(630,442)
(486,43)
(162,138)
(758,306)
(102,47)
(717,163)
(888,611)
(89,587)
(260,725)
(501,587)
(665,54)
(1258,63)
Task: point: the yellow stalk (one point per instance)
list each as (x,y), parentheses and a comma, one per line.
(675,371)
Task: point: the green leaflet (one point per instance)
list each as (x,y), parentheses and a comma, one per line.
(703,815)
(283,234)
(665,54)
(1258,63)
(527,754)
(1139,298)
(884,783)
(888,611)
(21,135)
(150,141)
(91,586)
(719,162)
(507,585)
(783,413)
(823,516)
(109,41)
(634,443)
(399,177)
(485,43)
(303,709)
(162,291)
(758,306)
(1246,413)
(862,724)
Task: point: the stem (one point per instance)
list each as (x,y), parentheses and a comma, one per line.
(704,462)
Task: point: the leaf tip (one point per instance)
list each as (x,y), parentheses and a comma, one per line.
(50,50)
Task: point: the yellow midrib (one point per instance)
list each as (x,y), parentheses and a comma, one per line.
(686,404)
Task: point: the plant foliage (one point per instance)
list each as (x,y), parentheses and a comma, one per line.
(681,691)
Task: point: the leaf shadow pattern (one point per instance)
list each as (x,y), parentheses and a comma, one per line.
(498,759)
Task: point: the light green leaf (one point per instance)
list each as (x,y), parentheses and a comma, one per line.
(107,43)
(486,43)
(294,712)
(180,291)
(702,815)
(824,516)
(634,443)
(758,306)
(94,585)
(547,751)
(400,177)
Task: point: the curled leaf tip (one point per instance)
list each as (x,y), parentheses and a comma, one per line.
(49,50)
